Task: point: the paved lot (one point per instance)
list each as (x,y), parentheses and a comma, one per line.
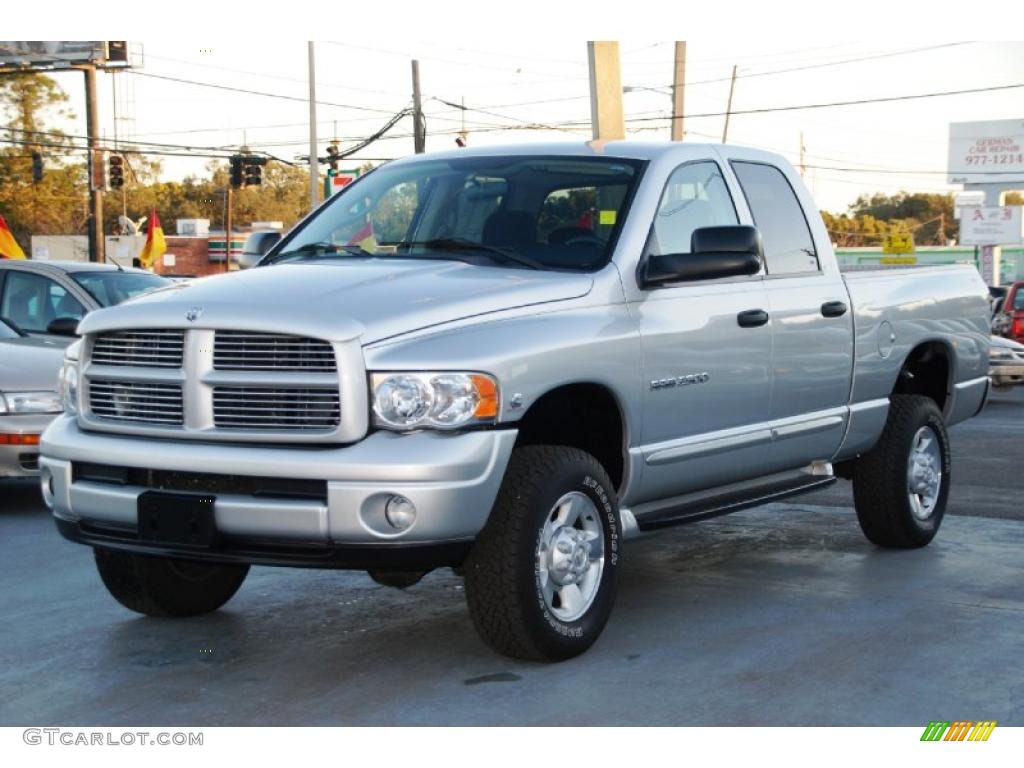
(783,615)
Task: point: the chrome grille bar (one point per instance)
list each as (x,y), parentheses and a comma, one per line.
(244,351)
(136,402)
(144,349)
(284,408)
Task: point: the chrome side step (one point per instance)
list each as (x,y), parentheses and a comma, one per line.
(704,505)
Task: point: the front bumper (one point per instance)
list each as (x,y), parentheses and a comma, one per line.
(21,460)
(452,479)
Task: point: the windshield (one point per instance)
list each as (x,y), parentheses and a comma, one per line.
(110,288)
(520,211)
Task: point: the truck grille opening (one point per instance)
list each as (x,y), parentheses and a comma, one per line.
(201,482)
(244,351)
(276,408)
(140,349)
(137,402)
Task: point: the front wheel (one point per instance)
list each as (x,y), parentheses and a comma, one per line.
(158,586)
(900,487)
(540,580)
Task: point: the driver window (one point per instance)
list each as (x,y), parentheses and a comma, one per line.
(33,302)
(696,196)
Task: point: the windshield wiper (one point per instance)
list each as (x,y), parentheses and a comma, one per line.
(310,249)
(502,255)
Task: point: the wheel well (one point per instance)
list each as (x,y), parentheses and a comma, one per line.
(926,372)
(584,416)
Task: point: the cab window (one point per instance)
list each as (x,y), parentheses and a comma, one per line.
(696,196)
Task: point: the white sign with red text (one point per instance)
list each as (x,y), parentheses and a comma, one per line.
(989,152)
(984,225)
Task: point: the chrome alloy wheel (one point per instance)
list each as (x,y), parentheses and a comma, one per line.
(570,556)
(924,473)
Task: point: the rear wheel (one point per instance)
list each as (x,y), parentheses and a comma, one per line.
(900,488)
(540,581)
(158,586)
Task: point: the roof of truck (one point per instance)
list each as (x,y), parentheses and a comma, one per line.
(628,149)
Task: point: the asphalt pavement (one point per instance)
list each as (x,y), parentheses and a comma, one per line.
(782,615)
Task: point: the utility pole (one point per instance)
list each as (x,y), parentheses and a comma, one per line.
(419,134)
(92,131)
(606,118)
(227,228)
(728,107)
(314,167)
(678,82)
(941,239)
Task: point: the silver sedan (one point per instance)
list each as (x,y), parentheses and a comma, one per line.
(28,397)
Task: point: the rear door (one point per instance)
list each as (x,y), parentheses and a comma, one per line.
(811,319)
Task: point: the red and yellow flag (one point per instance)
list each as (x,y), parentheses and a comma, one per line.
(155,246)
(9,248)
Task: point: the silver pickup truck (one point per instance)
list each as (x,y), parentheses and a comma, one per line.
(507,361)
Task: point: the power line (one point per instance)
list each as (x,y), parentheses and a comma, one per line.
(218,86)
(852,102)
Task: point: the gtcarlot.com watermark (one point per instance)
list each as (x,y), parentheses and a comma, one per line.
(72,738)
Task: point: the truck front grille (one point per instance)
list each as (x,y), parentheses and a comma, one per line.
(141,349)
(138,402)
(245,351)
(276,408)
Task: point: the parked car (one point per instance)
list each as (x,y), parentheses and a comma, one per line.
(1009,318)
(1006,362)
(508,361)
(28,397)
(48,298)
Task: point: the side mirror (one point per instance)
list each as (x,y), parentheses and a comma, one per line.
(715,252)
(64,326)
(256,247)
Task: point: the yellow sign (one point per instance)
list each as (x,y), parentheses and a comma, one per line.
(899,242)
(607,218)
(898,260)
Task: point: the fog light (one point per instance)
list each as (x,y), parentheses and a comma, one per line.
(400,512)
(46,483)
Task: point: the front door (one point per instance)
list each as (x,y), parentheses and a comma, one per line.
(707,354)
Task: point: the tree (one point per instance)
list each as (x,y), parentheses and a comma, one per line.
(28,104)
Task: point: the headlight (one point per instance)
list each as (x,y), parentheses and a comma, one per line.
(30,402)
(439,400)
(67,385)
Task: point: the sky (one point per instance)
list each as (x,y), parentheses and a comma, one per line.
(515,81)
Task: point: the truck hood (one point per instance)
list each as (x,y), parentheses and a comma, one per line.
(28,364)
(341,299)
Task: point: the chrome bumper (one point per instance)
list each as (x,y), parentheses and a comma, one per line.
(451,479)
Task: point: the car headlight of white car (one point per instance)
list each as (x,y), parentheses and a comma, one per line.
(30,402)
(433,399)
(67,379)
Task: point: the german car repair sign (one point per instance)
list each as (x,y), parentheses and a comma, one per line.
(986,152)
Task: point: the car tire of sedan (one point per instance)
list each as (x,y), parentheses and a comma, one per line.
(540,580)
(157,586)
(900,487)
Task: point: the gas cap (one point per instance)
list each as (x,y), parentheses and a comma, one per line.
(886,338)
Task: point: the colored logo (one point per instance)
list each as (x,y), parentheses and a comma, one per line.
(959,730)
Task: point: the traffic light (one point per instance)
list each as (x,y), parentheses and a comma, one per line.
(115,174)
(252,170)
(236,171)
(332,155)
(37,167)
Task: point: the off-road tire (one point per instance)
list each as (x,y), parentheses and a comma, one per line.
(502,575)
(158,586)
(880,490)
